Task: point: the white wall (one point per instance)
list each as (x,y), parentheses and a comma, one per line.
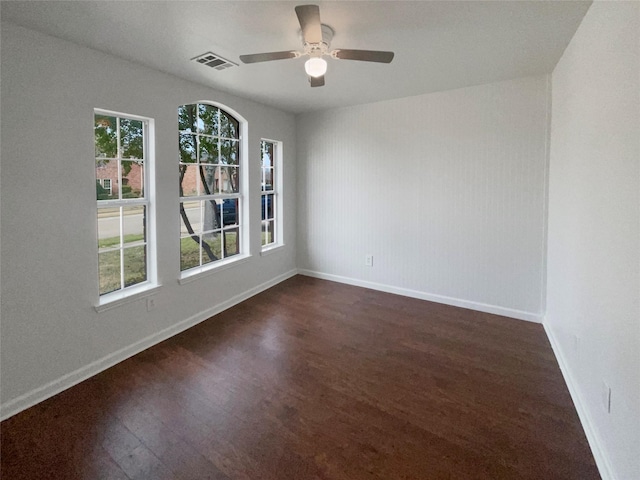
(446,190)
(51,334)
(593,288)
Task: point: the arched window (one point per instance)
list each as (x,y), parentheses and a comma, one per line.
(210,191)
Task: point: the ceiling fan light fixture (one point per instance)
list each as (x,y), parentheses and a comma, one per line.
(315,67)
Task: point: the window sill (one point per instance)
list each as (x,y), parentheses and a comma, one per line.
(271,249)
(197,273)
(128,295)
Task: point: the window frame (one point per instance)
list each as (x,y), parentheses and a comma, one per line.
(276,191)
(147,287)
(242,208)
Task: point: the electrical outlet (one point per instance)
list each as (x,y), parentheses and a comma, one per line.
(606,397)
(368,260)
(151,303)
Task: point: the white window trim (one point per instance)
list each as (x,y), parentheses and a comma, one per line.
(197,273)
(278,197)
(127,295)
(150,286)
(271,248)
(191,274)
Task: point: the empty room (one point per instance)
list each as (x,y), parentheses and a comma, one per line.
(343,240)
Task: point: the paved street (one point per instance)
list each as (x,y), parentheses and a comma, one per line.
(108,224)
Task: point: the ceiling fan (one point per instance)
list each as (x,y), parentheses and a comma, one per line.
(316,38)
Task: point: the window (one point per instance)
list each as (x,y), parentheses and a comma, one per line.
(271,179)
(122,184)
(106,184)
(210,194)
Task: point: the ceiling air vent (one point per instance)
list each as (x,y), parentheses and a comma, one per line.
(214,61)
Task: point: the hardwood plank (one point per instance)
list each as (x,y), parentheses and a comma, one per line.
(316,380)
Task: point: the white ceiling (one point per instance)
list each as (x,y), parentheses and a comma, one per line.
(437,45)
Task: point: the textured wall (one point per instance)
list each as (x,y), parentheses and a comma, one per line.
(446,191)
(593,311)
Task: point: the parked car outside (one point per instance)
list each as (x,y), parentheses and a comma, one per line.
(230,207)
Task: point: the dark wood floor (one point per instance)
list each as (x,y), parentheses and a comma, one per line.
(316,380)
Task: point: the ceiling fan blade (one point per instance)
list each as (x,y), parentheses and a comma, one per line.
(266,57)
(364,55)
(309,18)
(317,81)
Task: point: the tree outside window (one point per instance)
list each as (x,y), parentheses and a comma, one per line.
(209,179)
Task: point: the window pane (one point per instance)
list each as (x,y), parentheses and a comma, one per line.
(229,126)
(134,221)
(267,154)
(208,179)
(229,180)
(230,152)
(230,211)
(188,180)
(131,138)
(208,119)
(135,265)
(187,118)
(208,150)
(211,213)
(267,207)
(231,242)
(187,148)
(211,247)
(132,179)
(267,179)
(108,227)
(106,170)
(270,205)
(109,271)
(190,217)
(223,184)
(106,136)
(189,253)
(103,192)
(268,232)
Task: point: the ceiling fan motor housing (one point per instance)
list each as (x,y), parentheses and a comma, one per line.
(319,49)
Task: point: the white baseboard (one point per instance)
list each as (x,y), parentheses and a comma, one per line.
(39,394)
(602,460)
(456,302)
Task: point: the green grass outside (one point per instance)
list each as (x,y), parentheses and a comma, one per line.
(190,250)
(135,267)
(115,241)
